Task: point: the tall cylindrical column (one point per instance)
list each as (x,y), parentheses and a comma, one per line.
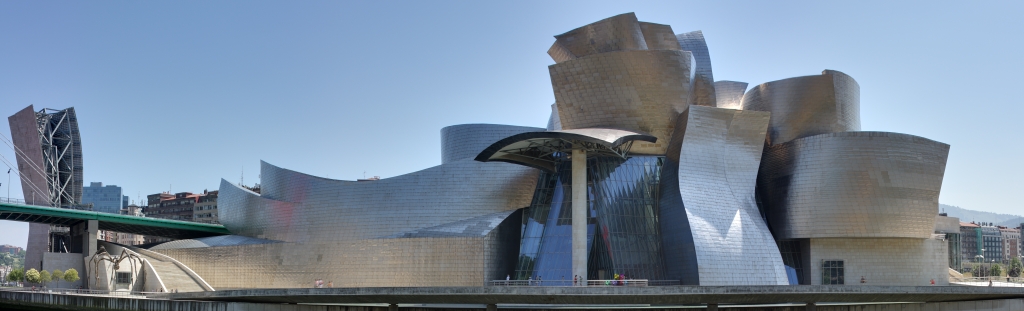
(579,214)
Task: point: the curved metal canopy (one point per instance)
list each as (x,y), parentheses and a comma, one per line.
(540,149)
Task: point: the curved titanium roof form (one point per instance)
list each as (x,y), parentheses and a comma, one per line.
(622,73)
(729,94)
(853,185)
(466,140)
(537,149)
(807,106)
(704,83)
(639,91)
(214,241)
(617,33)
(297,207)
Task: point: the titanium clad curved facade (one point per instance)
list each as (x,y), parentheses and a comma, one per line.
(631,90)
(853,185)
(704,82)
(617,33)
(729,94)
(467,140)
(807,106)
(659,37)
(711,229)
(298,208)
(554,123)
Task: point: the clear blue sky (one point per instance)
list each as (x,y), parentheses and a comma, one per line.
(176,95)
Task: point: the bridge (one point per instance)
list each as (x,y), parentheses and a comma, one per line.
(175,229)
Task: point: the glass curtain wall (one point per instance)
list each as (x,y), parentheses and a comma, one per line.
(622,231)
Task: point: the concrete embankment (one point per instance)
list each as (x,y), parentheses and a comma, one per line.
(10,300)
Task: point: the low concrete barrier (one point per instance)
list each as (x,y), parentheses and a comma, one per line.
(51,301)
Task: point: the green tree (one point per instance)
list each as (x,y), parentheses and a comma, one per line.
(6,259)
(58,276)
(45,277)
(71,275)
(1015,268)
(32,276)
(16,275)
(996,270)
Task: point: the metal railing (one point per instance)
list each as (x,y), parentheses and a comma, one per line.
(572,283)
(12,201)
(994,281)
(69,291)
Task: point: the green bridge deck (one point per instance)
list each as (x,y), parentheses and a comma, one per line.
(119,223)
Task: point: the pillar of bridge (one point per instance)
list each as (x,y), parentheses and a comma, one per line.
(83,237)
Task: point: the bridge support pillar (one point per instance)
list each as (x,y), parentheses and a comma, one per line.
(393,307)
(83,237)
(712,307)
(492,307)
(811,307)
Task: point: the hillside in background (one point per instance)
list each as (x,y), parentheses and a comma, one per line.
(967,215)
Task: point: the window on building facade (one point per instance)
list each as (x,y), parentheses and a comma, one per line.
(124,278)
(832,272)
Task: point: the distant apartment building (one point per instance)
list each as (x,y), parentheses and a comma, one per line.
(104,199)
(205,211)
(129,238)
(990,242)
(10,249)
(969,242)
(176,206)
(1011,243)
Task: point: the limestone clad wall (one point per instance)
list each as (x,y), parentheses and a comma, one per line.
(886,261)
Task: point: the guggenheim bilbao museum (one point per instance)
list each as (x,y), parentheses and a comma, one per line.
(648,168)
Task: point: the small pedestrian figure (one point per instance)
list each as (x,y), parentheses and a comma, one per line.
(330,284)
(863,280)
(933,281)
(529,281)
(540,281)
(989,283)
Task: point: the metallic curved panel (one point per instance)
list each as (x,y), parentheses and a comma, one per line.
(559,53)
(617,33)
(530,148)
(853,185)
(466,140)
(631,90)
(659,37)
(214,241)
(554,123)
(807,106)
(296,207)
(711,229)
(704,83)
(729,94)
